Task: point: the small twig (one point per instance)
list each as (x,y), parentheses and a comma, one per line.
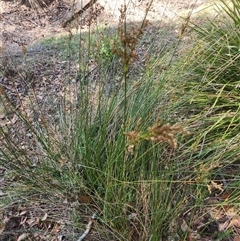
(88,228)
(78,12)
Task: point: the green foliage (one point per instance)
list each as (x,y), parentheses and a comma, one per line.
(128,150)
(105,49)
(211,101)
(214,72)
(218,51)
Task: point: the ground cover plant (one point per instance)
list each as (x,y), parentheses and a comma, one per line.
(152,155)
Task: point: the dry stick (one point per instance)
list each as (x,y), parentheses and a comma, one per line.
(78,12)
(88,228)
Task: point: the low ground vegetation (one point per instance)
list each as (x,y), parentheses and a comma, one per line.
(140,142)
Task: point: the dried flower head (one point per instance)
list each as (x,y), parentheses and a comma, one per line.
(164,133)
(157,133)
(133,136)
(128,38)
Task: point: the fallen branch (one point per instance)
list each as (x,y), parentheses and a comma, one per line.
(83,7)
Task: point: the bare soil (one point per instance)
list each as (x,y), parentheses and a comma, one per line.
(22,26)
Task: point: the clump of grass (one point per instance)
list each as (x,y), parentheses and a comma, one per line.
(139,176)
(215,73)
(211,104)
(84,153)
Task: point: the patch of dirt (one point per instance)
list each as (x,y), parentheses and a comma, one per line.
(22,26)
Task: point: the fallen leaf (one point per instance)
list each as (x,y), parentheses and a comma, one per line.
(56,228)
(236,238)
(2,193)
(23,236)
(225,196)
(192,236)
(32,222)
(236,222)
(23,212)
(84,199)
(23,221)
(2,228)
(223,226)
(184,226)
(44,217)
